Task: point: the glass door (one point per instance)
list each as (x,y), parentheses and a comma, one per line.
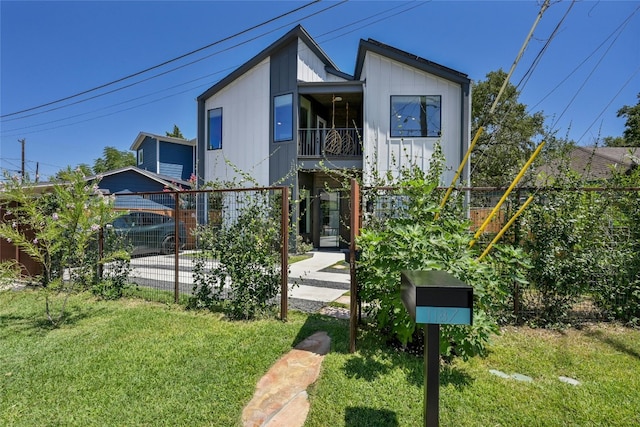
(329,219)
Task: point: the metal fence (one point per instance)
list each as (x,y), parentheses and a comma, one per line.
(583,243)
(152,225)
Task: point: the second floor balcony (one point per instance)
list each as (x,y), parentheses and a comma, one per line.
(329,142)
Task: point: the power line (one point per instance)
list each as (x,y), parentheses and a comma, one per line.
(8,132)
(595,67)
(610,102)
(119,103)
(620,28)
(121,79)
(170,70)
(527,75)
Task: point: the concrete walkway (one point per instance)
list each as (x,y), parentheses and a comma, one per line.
(311,283)
(311,287)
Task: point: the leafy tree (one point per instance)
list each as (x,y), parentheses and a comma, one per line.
(611,141)
(175,133)
(632,125)
(112,158)
(510,132)
(59,230)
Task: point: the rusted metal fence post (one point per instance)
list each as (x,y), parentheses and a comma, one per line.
(354,229)
(100,267)
(284,254)
(176,249)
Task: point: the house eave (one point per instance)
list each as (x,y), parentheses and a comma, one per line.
(330,87)
(407,58)
(143,135)
(298,32)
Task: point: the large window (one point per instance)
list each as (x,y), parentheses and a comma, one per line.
(215,129)
(283,118)
(415,116)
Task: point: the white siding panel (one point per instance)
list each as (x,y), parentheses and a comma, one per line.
(245,127)
(384,78)
(311,68)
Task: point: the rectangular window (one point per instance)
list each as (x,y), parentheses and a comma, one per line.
(415,116)
(283,118)
(140,156)
(215,129)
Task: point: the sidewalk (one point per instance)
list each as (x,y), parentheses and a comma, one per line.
(313,288)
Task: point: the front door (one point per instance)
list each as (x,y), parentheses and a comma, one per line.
(329,219)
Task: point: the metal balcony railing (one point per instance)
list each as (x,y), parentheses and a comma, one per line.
(329,142)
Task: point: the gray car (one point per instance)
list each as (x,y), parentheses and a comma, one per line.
(148,232)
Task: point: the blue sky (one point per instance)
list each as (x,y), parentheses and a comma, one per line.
(52,50)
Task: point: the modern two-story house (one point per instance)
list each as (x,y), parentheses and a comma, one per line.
(289,116)
(165,155)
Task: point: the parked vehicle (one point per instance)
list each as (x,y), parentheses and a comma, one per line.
(148,232)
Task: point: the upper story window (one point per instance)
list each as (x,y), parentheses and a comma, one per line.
(140,156)
(283,118)
(215,129)
(416,116)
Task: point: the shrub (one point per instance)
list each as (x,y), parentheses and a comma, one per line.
(57,229)
(411,238)
(244,279)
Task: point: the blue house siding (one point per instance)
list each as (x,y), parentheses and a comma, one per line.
(176,160)
(129,180)
(150,158)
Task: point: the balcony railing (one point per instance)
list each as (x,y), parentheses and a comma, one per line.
(326,142)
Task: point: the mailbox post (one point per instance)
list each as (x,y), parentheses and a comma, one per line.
(435,298)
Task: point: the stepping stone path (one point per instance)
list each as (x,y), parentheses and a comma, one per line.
(281,396)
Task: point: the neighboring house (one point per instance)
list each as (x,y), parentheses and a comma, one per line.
(591,163)
(289,116)
(165,155)
(134,179)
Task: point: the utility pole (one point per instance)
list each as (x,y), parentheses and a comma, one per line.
(22,141)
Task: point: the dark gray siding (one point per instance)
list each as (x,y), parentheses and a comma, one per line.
(283,74)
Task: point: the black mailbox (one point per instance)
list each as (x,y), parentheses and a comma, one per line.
(436,297)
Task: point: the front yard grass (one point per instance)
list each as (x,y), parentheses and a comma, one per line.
(132,362)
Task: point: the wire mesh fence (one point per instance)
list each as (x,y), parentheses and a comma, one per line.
(169,235)
(583,245)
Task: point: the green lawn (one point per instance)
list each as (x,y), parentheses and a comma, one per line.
(131,362)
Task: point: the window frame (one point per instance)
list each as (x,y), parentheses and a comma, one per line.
(288,136)
(396,132)
(209,144)
(140,156)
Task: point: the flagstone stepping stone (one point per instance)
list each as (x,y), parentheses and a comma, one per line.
(518,377)
(521,377)
(499,373)
(569,380)
(280,398)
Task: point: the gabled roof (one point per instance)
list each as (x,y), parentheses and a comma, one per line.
(297,32)
(142,135)
(408,59)
(594,163)
(170,182)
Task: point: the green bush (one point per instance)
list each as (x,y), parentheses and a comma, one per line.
(411,238)
(244,278)
(58,229)
(617,292)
